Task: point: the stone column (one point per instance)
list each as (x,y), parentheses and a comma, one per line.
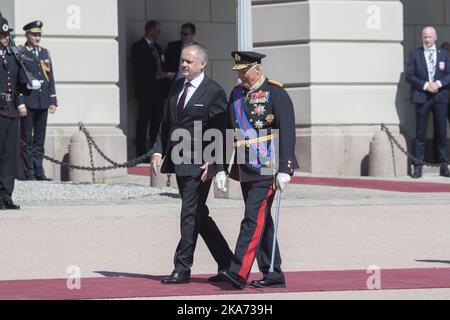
(82,39)
(341,62)
(244,25)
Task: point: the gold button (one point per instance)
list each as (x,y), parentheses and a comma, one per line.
(251,120)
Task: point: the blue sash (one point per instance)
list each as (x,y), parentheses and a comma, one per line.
(247,129)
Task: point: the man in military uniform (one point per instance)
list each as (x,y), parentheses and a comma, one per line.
(259,108)
(12,82)
(37,106)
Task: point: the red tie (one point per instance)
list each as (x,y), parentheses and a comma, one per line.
(180,105)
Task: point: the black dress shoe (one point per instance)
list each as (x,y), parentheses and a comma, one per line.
(235,280)
(217,278)
(444,172)
(177,278)
(417,173)
(268,283)
(9,205)
(43,178)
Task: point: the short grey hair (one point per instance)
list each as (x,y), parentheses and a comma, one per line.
(201,49)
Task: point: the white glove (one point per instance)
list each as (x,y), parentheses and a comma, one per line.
(35,85)
(283,180)
(221,180)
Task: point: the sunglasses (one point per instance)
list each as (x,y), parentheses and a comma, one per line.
(185,34)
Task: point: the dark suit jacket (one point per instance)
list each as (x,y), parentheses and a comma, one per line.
(207,106)
(417,76)
(172,56)
(145,69)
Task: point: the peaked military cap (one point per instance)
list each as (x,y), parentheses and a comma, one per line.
(4,26)
(34,27)
(243,59)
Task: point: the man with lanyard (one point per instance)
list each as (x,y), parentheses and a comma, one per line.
(258,106)
(12,82)
(40,102)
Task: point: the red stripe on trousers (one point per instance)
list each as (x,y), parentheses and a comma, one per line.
(249,256)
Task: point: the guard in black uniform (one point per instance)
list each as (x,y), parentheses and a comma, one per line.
(38,104)
(257,107)
(12,87)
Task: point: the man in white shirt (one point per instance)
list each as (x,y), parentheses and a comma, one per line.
(428,73)
(194,101)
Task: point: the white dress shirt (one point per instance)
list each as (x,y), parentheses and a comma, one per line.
(195,83)
(426,52)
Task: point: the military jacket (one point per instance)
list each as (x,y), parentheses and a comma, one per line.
(12,86)
(40,66)
(254,114)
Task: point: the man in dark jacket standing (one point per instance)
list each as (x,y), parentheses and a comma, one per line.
(428,73)
(147,59)
(38,104)
(174,49)
(195,103)
(12,83)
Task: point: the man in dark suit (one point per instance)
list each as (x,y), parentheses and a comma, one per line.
(147,59)
(195,104)
(428,73)
(258,108)
(174,49)
(38,104)
(12,86)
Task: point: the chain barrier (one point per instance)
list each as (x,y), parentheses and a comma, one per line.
(91,156)
(411,157)
(92,145)
(133,163)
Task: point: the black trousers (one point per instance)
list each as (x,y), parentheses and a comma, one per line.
(33,128)
(195,220)
(257,231)
(440,112)
(150,111)
(9,144)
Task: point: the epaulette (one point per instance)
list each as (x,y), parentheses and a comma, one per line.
(276,84)
(237,86)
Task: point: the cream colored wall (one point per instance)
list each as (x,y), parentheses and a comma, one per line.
(341,62)
(84,53)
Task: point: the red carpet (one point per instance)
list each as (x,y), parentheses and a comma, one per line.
(140,171)
(399,186)
(131,285)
